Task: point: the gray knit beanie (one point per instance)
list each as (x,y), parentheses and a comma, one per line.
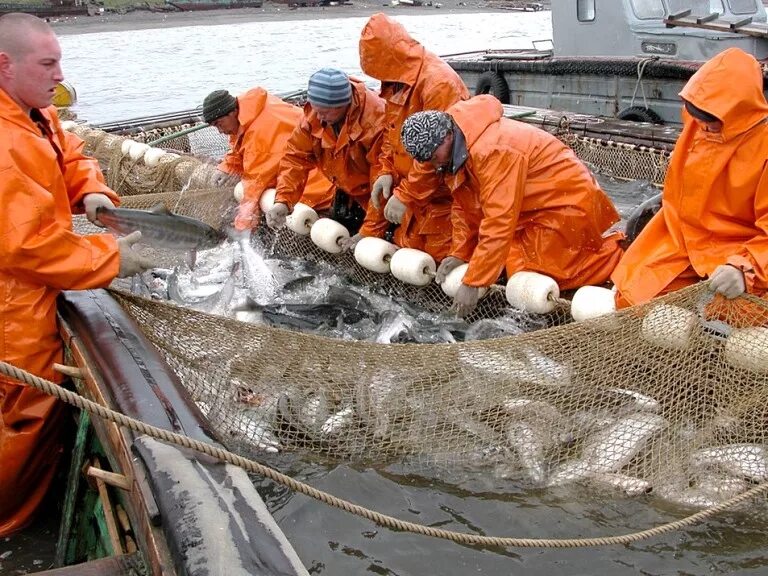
(217,104)
(329,88)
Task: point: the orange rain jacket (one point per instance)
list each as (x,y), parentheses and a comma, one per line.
(266,123)
(413,79)
(523,198)
(715,201)
(350,160)
(42,181)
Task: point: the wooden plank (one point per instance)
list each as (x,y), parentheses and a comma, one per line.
(109,512)
(708,18)
(738,23)
(126,565)
(116,480)
(744,26)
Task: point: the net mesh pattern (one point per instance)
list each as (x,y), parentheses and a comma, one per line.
(671,394)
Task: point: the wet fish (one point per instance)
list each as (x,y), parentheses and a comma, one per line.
(740,460)
(529,442)
(395,328)
(161,228)
(640,216)
(630,485)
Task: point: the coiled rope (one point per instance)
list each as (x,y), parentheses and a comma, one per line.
(91,407)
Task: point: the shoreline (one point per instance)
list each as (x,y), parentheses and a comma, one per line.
(270,12)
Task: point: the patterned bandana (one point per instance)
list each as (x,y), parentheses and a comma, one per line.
(423,132)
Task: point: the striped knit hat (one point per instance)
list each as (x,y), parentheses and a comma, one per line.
(423,132)
(329,88)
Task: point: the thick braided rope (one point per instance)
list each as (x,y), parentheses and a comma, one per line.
(78,401)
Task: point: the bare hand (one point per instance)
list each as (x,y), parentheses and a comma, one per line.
(276,215)
(131,262)
(382,187)
(728,280)
(466,299)
(247,215)
(448,264)
(350,243)
(93,201)
(394,210)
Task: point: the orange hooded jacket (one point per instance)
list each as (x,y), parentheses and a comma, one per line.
(715,201)
(413,79)
(523,198)
(266,123)
(42,181)
(349,160)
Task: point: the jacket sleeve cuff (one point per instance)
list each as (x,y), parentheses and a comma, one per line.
(747,268)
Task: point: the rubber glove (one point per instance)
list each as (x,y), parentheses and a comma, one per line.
(394,210)
(131,262)
(93,201)
(276,215)
(728,280)
(382,187)
(350,243)
(247,215)
(448,264)
(466,299)
(221,178)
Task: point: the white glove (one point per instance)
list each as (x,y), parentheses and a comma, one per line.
(382,187)
(131,262)
(448,264)
(276,215)
(350,243)
(221,178)
(728,280)
(93,201)
(394,210)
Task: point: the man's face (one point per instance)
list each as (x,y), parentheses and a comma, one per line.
(330,115)
(32,76)
(227,124)
(441,159)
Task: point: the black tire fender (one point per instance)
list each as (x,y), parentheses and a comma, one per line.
(640,114)
(494,84)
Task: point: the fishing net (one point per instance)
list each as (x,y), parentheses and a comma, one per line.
(669,396)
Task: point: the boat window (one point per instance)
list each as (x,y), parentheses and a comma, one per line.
(743,6)
(648,9)
(585,10)
(697,7)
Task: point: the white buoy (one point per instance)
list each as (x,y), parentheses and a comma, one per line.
(592,302)
(267,200)
(453,281)
(748,348)
(532,292)
(239,192)
(152,156)
(126,145)
(668,326)
(328,234)
(68,125)
(137,150)
(413,266)
(301,219)
(374,254)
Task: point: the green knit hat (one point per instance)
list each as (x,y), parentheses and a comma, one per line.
(217,104)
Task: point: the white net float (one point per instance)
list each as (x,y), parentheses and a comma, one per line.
(453,281)
(668,326)
(137,150)
(239,191)
(532,292)
(374,254)
(592,302)
(748,348)
(152,156)
(126,146)
(301,219)
(267,200)
(328,234)
(413,266)
(68,125)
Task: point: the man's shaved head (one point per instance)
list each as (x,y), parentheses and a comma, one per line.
(16,30)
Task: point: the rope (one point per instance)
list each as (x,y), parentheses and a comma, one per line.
(78,401)
(639,83)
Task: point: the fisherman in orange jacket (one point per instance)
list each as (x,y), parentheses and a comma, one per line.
(522,199)
(258,125)
(44,178)
(340,133)
(713,222)
(412,79)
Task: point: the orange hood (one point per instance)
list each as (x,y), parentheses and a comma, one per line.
(743,105)
(388,53)
(473,116)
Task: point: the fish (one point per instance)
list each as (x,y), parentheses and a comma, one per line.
(640,216)
(630,485)
(529,442)
(748,461)
(161,228)
(395,328)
